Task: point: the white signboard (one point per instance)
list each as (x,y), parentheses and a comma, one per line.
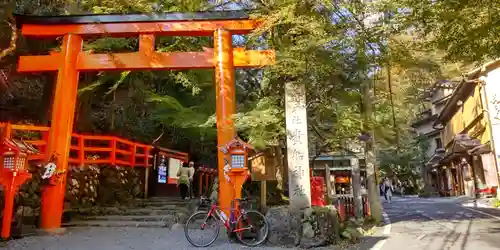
(297,146)
(173,167)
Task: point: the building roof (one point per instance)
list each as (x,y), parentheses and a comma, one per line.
(433,133)
(461,93)
(425,120)
(485,68)
(442,84)
(138,17)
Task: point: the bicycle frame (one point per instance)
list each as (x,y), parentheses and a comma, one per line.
(230,222)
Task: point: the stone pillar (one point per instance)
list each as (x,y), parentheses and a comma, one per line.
(299,180)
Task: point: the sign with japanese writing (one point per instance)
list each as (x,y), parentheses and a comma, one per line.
(297,146)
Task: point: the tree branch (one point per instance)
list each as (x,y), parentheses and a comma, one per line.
(13,40)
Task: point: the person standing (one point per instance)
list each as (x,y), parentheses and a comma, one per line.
(185,175)
(193,170)
(388,189)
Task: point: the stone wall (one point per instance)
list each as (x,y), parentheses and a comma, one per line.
(313,227)
(86,187)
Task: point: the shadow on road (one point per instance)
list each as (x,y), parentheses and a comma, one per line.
(368,242)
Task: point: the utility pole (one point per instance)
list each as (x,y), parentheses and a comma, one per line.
(373,191)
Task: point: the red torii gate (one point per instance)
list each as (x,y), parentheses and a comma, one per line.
(72,60)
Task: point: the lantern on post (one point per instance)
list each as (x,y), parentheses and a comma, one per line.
(13,173)
(235,165)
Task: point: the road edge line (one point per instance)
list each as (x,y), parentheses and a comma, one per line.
(386,232)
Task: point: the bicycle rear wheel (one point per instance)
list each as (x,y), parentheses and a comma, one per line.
(200,226)
(252,228)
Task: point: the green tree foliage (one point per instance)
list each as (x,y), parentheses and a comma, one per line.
(331,47)
(464,30)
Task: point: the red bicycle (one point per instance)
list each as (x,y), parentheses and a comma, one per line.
(243,223)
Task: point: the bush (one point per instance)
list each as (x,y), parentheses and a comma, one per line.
(424,193)
(495,203)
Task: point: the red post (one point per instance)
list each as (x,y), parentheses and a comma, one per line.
(134,149)
(341,208)
(81,150)
(317,191)
(11,182)
(146,156)
(7,130)
(112,156)
(200,184)
(45,138)
(63,112)
(225,107)
(207,182)
(10,193)
(367,206)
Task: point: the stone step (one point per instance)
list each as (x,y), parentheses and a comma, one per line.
(168,209)
(128,218)
(108,223)
(148,211)
(163,204)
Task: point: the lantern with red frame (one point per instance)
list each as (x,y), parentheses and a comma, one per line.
(237,150)
(236,167)
(13,173)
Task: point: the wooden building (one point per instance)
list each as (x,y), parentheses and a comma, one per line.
(467,165)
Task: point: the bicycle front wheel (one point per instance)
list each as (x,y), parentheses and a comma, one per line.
(252,228)
(201,230)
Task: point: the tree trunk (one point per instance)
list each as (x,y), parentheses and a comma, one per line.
(391,98)
(356,187)
(329,192)
(373,191)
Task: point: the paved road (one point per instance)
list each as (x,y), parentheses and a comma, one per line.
(441,224)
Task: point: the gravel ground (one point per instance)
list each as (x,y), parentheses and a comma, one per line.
(135,238)
(116,239)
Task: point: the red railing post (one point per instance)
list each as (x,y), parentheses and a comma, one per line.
(207,179)
(132,155)
(200,184)
(7,130)
(146,156)
(81,150)
(341,209)
(112,156)
(45,138)
(367,206)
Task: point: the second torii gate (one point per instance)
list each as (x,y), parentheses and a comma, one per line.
(72,60)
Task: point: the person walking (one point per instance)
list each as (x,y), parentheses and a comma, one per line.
(185,175)
(388,189)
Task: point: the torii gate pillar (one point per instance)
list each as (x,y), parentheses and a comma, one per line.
(225,108)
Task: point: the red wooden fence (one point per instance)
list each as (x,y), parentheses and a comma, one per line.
(91,149)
